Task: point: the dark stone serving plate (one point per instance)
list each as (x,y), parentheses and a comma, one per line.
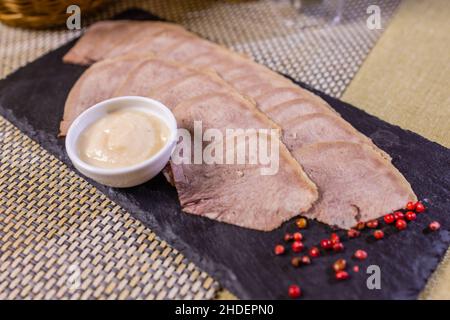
(242,260)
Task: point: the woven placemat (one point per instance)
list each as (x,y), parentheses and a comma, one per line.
(412,57)
(61,238)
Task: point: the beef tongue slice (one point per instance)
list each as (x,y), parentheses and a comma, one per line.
(355,166)
(199,83)
(149,74)
(221,111)
(321,127)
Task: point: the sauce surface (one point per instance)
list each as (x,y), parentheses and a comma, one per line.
(122,138)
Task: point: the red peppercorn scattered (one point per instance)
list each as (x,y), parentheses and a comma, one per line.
(279,249)
(378,234)
(337,247)
(294,291)
(410,206)
(360,225)
(314,252)
(355,268)
(306,260)
(360,254)
(398,215)
(302,223)
(326,244)
(372,224)
(410,216)
(400,224)
(298,236)
(420,207)
(352,233)
(342,275)
(297,246)
(334,238)
(339,265)
(288,237)
(433,226)
(389,218)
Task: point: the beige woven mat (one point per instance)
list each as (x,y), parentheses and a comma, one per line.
(406,81)
(406,78)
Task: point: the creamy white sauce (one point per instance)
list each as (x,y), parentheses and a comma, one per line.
(122,138)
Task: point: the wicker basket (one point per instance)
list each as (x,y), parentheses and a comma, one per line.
(41,13)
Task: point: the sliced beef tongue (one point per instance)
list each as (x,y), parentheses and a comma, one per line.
(221,111)
(185,50)
(149,74)
(273,94)
(287,111)
(212,190)
(137,75)
(161,41)
(255,78)
(355,183)
(320,127)
(110,39)
(239,194)
(125,75)
(177,91)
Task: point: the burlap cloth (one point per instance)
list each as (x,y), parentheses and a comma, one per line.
(61,238)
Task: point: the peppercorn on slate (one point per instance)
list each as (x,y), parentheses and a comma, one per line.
(363,188)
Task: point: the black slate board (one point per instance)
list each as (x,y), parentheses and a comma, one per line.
(242,260)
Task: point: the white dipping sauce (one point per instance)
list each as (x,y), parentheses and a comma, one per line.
(122,138)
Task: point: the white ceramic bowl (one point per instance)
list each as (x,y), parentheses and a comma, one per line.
(127,176)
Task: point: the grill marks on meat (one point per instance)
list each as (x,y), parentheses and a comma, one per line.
(238,194)
(299,113)
(356,183)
